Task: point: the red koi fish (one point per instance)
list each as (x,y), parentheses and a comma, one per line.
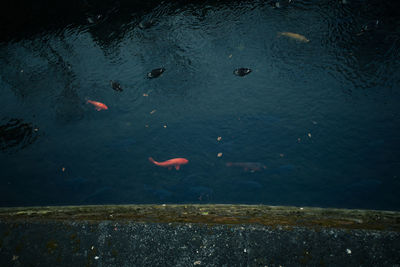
(177,162)
(98,105)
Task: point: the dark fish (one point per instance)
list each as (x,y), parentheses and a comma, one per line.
(145,24)
(242,71)
(155,73)
(116,86)
(248,166)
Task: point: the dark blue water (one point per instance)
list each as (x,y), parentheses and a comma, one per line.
(321,118)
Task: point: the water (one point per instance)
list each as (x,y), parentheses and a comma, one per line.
(322,116)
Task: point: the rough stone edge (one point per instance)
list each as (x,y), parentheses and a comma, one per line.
(213,214)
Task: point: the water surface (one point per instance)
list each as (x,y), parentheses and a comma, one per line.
(322,116)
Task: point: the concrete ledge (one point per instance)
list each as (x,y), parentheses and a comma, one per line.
(213,214)
(203,235)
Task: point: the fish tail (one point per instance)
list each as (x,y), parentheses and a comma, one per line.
(152,160)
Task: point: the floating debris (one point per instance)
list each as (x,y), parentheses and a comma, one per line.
(298,139)
(242,71)
(197,263)
(22,71)
(348,251)
(281,155)
(153,111)
(116,86)
(230,56)
(219,155)
(219,138)
(63,169)
(309,135)
(295,36)
(96,257)
(155,73)
(144,94)
(165,126)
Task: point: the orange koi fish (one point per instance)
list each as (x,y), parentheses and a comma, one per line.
(176,162)
(98,105)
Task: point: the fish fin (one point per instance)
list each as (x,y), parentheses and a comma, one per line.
(98,109)
(177,167)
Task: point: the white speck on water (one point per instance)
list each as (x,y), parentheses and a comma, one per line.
(197,263)
(301,208)
(92,247)
(348,251)
(245,250)
(96,257)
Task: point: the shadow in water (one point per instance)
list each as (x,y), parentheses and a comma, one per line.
(16,134)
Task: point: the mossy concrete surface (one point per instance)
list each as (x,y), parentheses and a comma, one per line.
(203,235)
(213,214)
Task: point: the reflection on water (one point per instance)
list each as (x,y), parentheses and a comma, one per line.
(310,118)
(16,134)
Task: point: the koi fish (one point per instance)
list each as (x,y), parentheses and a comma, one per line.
(99,106)
(295,36)
(242,71)
(155,73)
(176,162)
(248,166)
